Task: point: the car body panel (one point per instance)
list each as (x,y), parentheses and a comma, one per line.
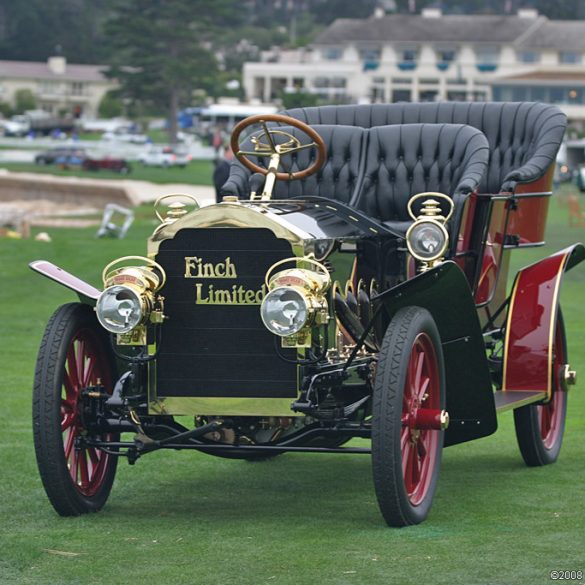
(531,322)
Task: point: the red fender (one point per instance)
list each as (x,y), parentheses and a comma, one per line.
(531,322)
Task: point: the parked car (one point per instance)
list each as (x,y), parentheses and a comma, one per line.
(125,135)
(352,283)
(119,165)
(50,156)
(165,156)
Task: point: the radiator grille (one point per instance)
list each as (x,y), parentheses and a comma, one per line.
(220,350)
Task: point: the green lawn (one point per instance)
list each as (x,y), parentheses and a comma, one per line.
(188,518)
(197,172)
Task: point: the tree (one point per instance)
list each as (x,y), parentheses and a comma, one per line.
(298,99)
(163,50)
(110,105)
(24,99)
(71,27)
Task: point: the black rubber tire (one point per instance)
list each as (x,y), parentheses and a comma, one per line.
(393,360)
(61,490)
(533,449)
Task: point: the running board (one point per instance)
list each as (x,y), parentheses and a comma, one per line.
(511,400)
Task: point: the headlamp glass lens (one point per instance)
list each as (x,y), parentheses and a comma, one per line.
(119,309)
(427,241)
(284,311)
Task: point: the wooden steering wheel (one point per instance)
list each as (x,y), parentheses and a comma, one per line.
(270,148)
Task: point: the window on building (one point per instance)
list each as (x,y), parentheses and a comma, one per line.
(408,55)
(456,96)
(429,96)
(401,95)
(370,57)
(398,80)
(528,57)
(48,87)
(479,96)
(77,88)
(329,82)
(428,81)
(487,58)
(407,58)
(377,94)
(570,58)
(445,57)
(332,53)
(370,53)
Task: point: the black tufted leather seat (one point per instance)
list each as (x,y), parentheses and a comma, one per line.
(339,178)
(404,160)
(523,136)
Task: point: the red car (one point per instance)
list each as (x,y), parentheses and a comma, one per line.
(118,165)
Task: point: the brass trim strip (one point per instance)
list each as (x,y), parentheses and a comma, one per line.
(507,338)
(191,406)
(537,397)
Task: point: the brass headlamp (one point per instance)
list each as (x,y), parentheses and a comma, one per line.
(129,300)
(295,300)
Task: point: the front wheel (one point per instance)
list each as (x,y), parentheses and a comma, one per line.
(73,355)
(409,398)
(540,427)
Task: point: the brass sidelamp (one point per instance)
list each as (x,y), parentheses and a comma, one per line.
(427,238)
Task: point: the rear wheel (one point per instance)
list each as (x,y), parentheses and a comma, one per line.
(409,389)
(540,427)
(73,355)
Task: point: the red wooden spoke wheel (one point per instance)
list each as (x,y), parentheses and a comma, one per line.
(409,397)
(74,355)
(85,360)
(540,427)
(419,446)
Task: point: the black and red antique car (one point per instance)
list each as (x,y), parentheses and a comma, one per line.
(352,283)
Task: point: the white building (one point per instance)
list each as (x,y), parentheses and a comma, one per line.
(427,57)
(57,85)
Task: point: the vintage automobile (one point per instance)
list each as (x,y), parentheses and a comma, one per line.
(352,283)
(107,163)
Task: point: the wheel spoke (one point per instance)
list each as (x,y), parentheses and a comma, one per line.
(89,369)
(80,362)
(83,470)
(413,469)
(70,391)
(545,420)
(72,369)
(404,440)
(423,388)
(406,455)
(74,465)
(420,361)
(94,458)
(421,445)
(67,420)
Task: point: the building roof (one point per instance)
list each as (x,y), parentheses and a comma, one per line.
(546,76)
(558,34)
(520,31)
(41,70)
